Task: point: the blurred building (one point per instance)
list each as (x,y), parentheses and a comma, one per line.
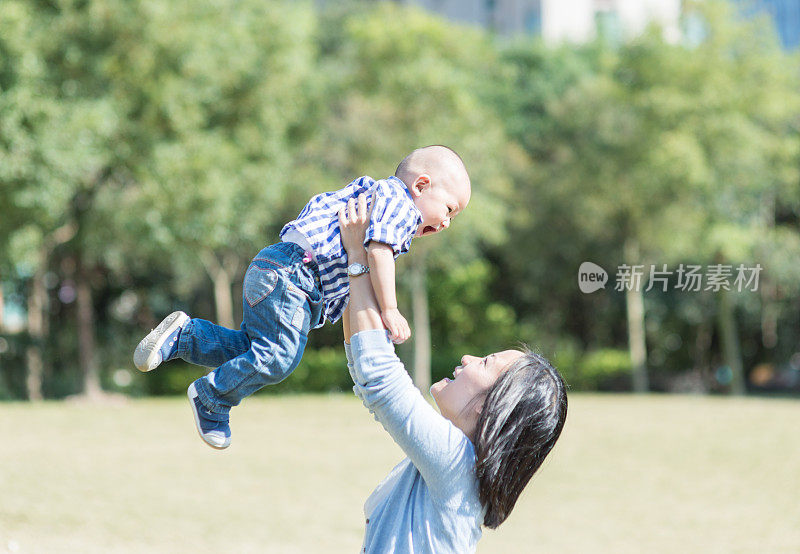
(784,13)
(582,20)
(563,20)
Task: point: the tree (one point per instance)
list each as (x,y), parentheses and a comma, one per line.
(55,142)
(393,88)
(649,149)
(214,112)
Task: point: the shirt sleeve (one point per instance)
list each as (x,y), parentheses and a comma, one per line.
(439,450)
(394,218)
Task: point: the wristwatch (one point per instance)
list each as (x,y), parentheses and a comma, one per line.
(355,269)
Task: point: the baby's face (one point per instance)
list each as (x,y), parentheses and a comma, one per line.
(439,203)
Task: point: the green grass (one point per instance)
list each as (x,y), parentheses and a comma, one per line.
(630,474)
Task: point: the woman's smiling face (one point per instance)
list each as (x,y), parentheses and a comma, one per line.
(474,377)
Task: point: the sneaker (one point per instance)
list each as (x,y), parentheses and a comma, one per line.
(213,428)
(161,343)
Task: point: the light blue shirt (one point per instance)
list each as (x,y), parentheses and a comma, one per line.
(429,502)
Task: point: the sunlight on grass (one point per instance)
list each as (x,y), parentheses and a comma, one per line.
(655,474)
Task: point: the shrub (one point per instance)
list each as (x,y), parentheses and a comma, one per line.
(605,369)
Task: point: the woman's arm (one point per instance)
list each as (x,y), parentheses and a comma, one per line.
(362,308)
(435,446)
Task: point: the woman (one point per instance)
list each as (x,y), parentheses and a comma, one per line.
(500,416)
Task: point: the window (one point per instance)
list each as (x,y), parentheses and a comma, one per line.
(533,18)
(608,26)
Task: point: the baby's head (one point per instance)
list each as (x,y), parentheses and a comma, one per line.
(439,184)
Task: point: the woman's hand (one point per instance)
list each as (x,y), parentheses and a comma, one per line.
(353,223)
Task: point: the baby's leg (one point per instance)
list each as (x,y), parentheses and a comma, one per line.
(204,343)
(277,319)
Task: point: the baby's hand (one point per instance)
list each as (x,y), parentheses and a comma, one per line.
(399,331)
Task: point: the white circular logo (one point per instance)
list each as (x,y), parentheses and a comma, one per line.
(591,277)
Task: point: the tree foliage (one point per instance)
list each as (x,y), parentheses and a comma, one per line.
(149,149)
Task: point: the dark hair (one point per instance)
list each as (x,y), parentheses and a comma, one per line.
(522,418)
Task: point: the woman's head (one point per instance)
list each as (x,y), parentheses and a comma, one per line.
(461,399)
(512,405)
(522,418)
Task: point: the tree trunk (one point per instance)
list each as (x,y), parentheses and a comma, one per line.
(770,311)
(222,278)
(223,299)
(729,340)
(37,301)
(38,327)
(702,350)
(422,327)
(770,308)
(86,342)
(634,304)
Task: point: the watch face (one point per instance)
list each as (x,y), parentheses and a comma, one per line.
(356,269)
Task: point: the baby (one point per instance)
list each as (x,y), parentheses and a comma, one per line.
(293,286)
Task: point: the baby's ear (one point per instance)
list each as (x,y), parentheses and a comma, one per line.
(421,183)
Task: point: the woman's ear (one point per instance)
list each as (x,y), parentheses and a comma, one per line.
(420,184)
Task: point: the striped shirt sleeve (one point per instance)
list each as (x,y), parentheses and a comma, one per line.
(394,218)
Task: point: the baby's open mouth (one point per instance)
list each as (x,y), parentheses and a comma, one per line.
(428,230)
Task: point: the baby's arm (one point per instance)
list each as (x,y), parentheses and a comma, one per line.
(381,267)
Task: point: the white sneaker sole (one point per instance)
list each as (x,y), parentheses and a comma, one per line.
(210,441)
(145,357)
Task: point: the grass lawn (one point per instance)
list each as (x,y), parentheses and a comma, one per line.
(630,474)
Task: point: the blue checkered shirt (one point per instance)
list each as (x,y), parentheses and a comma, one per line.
(394,221)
